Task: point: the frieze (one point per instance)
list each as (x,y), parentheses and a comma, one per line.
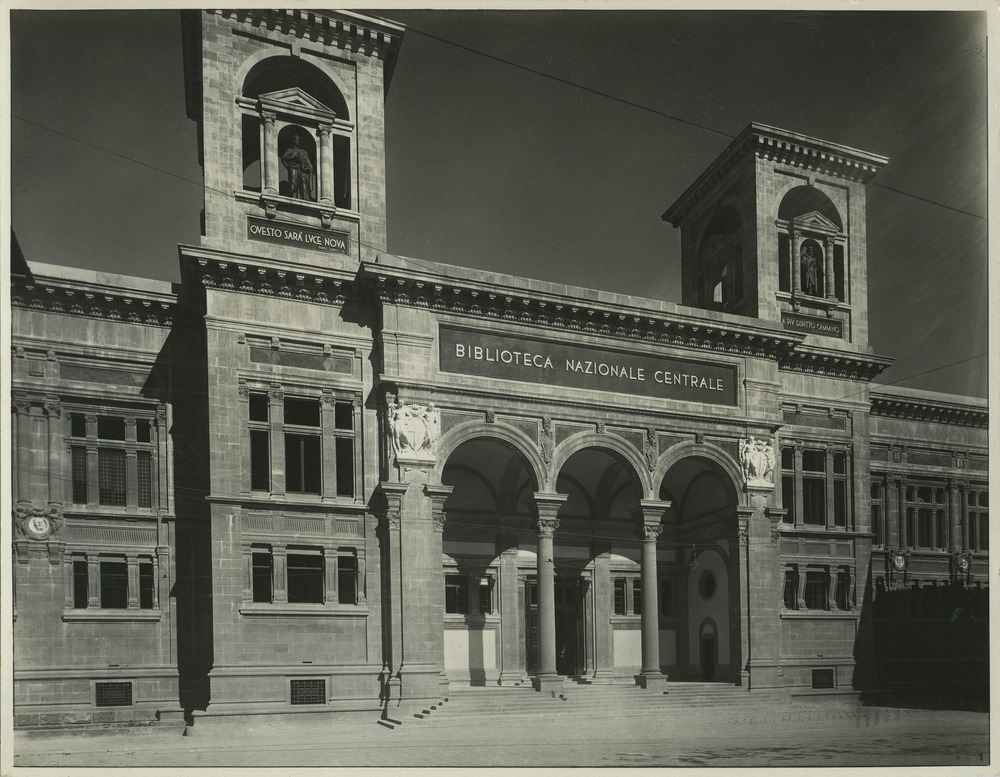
(116,535)
(835,363)
(268,281)
(927,410)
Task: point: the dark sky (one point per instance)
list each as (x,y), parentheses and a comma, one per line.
(503,168)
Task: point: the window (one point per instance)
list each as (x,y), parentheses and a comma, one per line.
(319,450)
(486,594)
(790,592)
(627,595)
(305,576)
(927,516)
(113,443)
(347,579)
(456,594)
(637,597)
(815,486)
(979,523)
(262,571)
(112,582)
(817,591)
(843,590)
(878,513)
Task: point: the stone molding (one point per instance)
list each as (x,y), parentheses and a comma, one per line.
(270,281)
(928,410)
(838,364)
(110,304)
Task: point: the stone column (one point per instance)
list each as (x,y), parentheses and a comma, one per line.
(511,668)
(604,663)
(964,507)
(131,466)
(799,501)
(955,516)
(547,507)
(269,153)
(133,582)
(326,164)
(905,540)
(829,280)
(438,494)
(279,574)
(392,590)
(796,263)
(93,466)
(649,513)
(831,519)
(327,408)
(56,448)
(23,409)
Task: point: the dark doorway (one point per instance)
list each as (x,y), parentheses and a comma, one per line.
(708,658)
(531,626)
(569,627)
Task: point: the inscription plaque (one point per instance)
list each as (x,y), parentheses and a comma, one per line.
(813,325)
(327,240)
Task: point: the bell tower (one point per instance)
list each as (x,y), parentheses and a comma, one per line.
(291,130)
(775,229)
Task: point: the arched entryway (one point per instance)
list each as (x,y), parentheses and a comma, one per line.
(703,530)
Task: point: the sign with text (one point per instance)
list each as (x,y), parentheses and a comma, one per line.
(469,352)
(328,240)
(812,325)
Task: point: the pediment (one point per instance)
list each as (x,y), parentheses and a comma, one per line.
(815,220)
(294,98)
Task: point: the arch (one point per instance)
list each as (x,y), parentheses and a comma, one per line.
(705,450)
(470,430)
(272,73)
(798,200)
(609,442)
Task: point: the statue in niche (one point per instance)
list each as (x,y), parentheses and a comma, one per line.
(757,461)
(299,166)
(415,429)
(810,271)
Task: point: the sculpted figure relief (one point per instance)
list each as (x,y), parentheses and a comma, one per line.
(757,461)
(415,429)
(810,271)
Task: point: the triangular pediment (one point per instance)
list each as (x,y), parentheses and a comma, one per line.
(815,220)
(294,98)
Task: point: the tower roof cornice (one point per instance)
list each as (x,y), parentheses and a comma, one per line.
(790,148)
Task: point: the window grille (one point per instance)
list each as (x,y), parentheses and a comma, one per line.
(144,463)
(113,694)
(308,691)
(79,475)
(822,679)
(111,477)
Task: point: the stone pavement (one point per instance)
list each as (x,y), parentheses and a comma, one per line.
(784,736)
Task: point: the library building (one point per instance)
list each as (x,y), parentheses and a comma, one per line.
(315,478)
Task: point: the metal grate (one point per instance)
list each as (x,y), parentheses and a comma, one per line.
(308,691)
(79,475)
(822,679)
(111,472)
(113,694)
(144,470)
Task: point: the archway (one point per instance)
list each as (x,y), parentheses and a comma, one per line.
(488,536)
(703,529)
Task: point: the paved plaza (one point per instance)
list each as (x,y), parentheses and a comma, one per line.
(786,736)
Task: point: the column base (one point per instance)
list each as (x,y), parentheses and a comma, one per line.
(652,681)
(552,683)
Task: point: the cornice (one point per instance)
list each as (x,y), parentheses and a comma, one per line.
(837,364)
(802,151)
(936,411)
(68,297)
(254,275)
(396,286)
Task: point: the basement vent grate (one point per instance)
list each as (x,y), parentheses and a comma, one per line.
(113,694)
(308,691)
(822,679)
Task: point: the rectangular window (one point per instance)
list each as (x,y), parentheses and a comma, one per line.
(814,501)
(345,466)
(666,598)
(817,592)
(81,584)
(302,464)
(114,585)
(788,497)
(308,691)
(843,590)
(261,575)
(79,475)
(486,595)
(840,503)
(146,585)
(113,694)
(619,596)
(637,597)
(259,407)
(144,467)
(78,425)
(343,416)
(305,577)
(347,579)
(301,412)
(143,431)
(456,594)
(111,476)
(260,461)
(924,528)
(984,532)
(110,427)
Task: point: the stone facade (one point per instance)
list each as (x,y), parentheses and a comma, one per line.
(317,479)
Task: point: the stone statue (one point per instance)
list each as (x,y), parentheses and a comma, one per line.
(415,429)
(299,166)
(757,461)
(810,271)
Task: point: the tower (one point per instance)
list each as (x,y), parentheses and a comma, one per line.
(290,111)
(775,229)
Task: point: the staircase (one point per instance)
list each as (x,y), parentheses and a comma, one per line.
(583,699)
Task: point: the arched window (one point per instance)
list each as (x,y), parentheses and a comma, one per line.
(297,136)
(811,246)
(720,261)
